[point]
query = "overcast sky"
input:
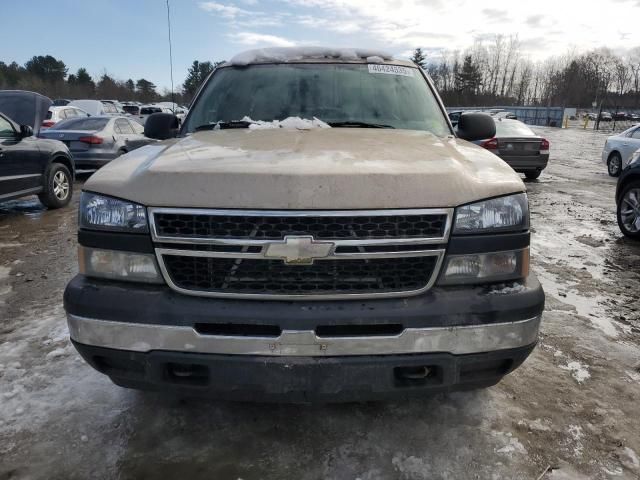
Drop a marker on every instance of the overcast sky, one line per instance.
(128, 38)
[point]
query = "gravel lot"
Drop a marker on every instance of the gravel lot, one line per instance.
(571, 410)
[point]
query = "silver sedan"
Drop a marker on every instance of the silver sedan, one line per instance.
(95, 141)
(619, 148)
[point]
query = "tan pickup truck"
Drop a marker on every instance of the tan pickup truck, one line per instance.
(315, 230)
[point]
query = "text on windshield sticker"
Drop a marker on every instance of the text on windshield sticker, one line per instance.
(390, 69)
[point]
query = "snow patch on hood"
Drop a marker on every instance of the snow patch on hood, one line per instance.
(295, 123)
(296, 54)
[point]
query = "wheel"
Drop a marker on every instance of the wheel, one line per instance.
(614, 164)
(628, 210)
(121, 152)
(533, 174)
(58, 186)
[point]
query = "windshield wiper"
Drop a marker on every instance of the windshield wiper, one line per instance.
(223, 125)
(359, 124)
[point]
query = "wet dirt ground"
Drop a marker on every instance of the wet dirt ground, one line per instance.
(571, 411)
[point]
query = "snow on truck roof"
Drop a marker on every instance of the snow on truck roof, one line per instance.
(299, 54)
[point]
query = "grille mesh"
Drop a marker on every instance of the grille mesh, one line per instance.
(277, 227)
(249, 276)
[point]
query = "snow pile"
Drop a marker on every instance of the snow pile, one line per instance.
(575, 432)
(578, 371)
(296, 54)
(511, 444)
(505, 289)
(294, 123)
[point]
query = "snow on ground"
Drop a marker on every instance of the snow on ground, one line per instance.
(578, 371)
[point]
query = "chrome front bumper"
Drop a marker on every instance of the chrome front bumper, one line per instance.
(458, 340)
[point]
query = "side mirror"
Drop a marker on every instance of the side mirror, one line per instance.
(25, 131)
(161, 126)
(476, 126)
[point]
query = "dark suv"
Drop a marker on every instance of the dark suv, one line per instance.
(31, 165)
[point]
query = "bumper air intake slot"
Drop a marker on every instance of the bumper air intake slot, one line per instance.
(373, 330)
(238, 330)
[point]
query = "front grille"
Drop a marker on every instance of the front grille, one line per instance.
(276, 227)
(268, 254)
(324, 277)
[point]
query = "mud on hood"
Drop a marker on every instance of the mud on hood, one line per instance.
(25, 108)
(337, 168)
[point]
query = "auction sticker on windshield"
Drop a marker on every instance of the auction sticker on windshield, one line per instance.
(390, 69)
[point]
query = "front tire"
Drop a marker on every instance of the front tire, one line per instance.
(614, 164)
(628, 210)
(58, 187)
(533, 175)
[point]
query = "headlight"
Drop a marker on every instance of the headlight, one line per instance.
(98, 212)
(510, 213)
(486, 267)
(117, 265)
(635, 157)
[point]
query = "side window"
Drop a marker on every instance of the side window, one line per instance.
(6, 130)
(62, 114)
(136, 127)
(123, 127)
(636, 134)
(79, 113)
(69, 112)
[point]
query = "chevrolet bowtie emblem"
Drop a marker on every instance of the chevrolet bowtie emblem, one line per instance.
(299, 250)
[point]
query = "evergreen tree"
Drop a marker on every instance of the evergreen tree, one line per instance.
(468, 78)
(146, 90)
(197, 73)
(418, 58)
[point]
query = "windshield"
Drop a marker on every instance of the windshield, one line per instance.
(88, 124)
(334, 93)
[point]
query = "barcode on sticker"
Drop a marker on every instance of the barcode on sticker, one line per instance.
(390, 69)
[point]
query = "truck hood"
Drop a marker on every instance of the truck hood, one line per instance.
(337, 168)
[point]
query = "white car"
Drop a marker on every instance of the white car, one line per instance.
(56, 114)
(619, 148)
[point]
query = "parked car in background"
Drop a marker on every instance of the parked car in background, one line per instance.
(455, 116)
(619, 148)
(524, 150)
(507, 115)
(606, 117)
(56, 114)
(146, 110)
(118, 106)
(174, 108)
(95, 107)
(628, 198)
(95, 141)
(131, 109)
(30, 165)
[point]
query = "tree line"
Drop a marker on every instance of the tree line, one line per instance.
(493, 72)
(496, 72)
(50, 76)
